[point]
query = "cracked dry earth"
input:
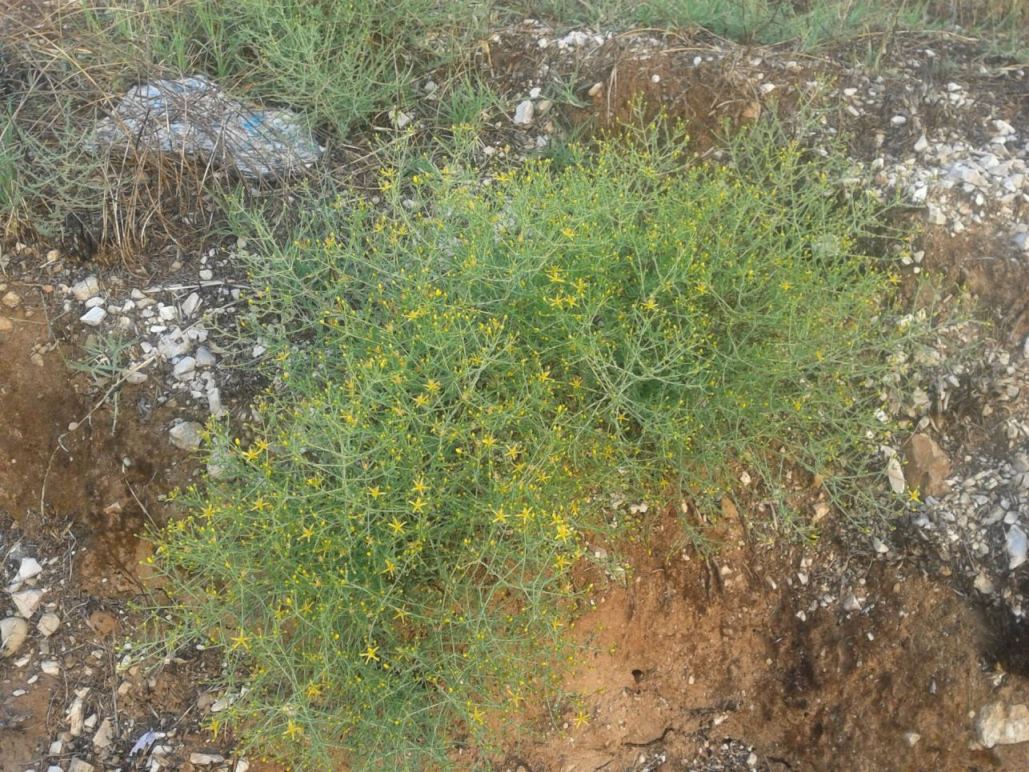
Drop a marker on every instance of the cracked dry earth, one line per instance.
(903, 650)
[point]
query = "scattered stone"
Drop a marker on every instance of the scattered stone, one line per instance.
(48, 624)
(86, 289)
(13, 632)
(74, 716)
(214, 402)
(190, 304)
(999, 724)
(1016, 546)
(895, 473)
(524, 113)
(78, 765)
(50, 667)
(206, 759)
(11, 300)
(184, 368)
(29, 569)
(928, 466)
(133, 376)
(6, 325)
(912, 738)
(174, 344)
(104, 735)
(400, 119)
(185, 435)
(206, 274)
(94, 316)
(204, 357)
(851, 602)
(27, 601)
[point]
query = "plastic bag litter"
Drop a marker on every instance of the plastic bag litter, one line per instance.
(195, 117)
(146, 742)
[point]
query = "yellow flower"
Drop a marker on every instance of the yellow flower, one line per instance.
(371, 654)
(417, 505)
(293, 730)
(375, 491)
(581, 718)
(241, 641)
(396, 525)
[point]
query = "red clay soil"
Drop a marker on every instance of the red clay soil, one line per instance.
(694, 655)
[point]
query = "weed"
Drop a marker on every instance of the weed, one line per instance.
(10, 190)
(1001, 23)
(105, 358)
(340, 64)
(337, 62)
(388, 563)
(467, 102)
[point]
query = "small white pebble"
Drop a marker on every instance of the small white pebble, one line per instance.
(94, 316)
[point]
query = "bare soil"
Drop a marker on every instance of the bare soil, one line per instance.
(696, 658)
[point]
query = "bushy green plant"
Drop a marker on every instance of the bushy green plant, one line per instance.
(338, 62)
(458, 381)
(10, 190)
